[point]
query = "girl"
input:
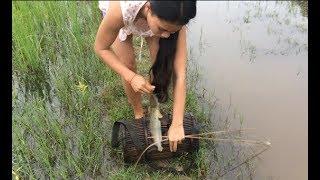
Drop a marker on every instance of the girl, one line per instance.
(163, 24)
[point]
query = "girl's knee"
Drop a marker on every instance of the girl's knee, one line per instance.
(129, 61)
(130, 64)
(124, 50)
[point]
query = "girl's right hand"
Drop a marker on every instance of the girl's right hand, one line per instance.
(140, 84)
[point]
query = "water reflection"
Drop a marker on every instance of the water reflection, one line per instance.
(253, 58)
(282, 28)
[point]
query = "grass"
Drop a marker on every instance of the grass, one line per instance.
(65, 99)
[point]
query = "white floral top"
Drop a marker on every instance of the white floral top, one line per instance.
(132, 25)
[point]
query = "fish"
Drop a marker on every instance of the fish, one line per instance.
(154, 123)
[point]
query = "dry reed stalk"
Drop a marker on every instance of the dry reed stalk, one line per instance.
(215, 132)
(198, 136)
(247, 160)
(223, 131)
(219, 139)
(141, 45)
(146, 150)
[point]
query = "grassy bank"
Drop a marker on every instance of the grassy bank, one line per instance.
(65, 99)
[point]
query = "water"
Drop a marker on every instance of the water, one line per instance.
(253, 56)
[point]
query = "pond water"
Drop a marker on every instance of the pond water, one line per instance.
(254, 58)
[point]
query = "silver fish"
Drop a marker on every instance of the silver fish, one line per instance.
(155, 124)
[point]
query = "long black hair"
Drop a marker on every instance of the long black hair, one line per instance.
(176, 12)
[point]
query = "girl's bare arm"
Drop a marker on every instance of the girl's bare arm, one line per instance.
(179, 86)
(106, 35)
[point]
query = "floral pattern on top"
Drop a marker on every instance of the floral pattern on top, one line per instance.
(132, 25)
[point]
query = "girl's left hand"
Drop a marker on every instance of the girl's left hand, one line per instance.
(175, 136)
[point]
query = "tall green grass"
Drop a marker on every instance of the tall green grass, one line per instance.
(65, 99)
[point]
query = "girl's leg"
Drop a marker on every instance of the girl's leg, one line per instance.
(124, 50)
(153, 45)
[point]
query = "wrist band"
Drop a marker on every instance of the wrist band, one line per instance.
(132, 78)
(177, 125)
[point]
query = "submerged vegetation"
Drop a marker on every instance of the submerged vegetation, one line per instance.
(282, 21)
